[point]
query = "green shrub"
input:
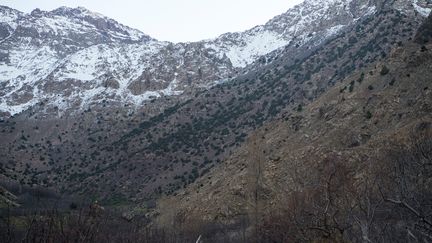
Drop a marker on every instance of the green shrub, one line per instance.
(351, 87)
(300, 108)
(384, 70)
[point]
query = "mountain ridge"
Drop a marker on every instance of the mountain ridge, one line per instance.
(152, 152)
(86, 70)
(298, 146)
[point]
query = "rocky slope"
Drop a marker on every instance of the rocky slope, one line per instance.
(312, 142)
(73, 59)
(329, 166)
(129, 156)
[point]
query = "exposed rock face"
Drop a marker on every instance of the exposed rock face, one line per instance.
(47, 48)
(111, 83)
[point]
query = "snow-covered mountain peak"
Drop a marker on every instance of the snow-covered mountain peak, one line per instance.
(73, 58)
(78, 11)
(5, 10)
(65, 21)
(324, 3)
(322, 17)
(9, 16)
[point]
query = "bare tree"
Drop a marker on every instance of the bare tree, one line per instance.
(411, 171)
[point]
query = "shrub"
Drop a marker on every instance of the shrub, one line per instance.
(73, 206)
(353, 40)
(361, 78)
(300, 108)
(384, 70)
(351, 87)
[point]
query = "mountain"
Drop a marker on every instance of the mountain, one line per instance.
(339, 164)
(300, 130)
(138, 155)
(73, 59)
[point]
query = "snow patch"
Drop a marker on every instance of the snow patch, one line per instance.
(257, 45)
(334, 30)
(252, 46)
(15, 109)
(171, 89)
(423, 11)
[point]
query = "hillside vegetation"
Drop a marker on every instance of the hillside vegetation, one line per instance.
(354, 165)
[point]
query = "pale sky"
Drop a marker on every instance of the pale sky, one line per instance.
(174, 20)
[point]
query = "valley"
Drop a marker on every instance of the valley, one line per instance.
(314, 127)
